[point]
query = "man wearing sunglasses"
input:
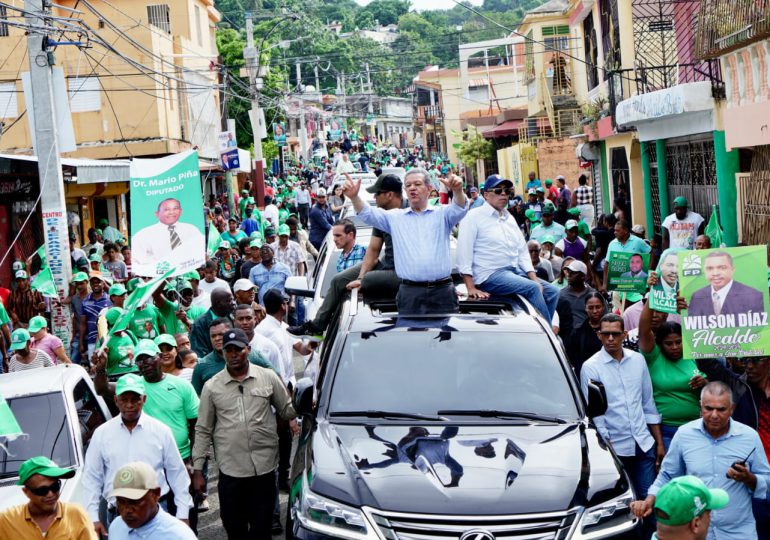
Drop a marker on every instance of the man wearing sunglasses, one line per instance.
(492, 253)
(44, 516)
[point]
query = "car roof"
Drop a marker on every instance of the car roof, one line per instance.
(41, 380)
(480, 316)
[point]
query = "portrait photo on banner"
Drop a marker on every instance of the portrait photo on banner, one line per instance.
(727, 302)
(167, 229)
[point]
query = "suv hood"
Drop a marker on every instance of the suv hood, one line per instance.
(456, 469)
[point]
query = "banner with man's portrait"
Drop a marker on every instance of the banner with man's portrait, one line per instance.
(167, 229)
(663, 293)
(727, 302)
(627, 272)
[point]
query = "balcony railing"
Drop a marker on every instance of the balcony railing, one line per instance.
(429, 114)
(727, 25)
(566, 122)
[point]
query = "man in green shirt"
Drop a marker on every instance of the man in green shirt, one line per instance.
(242, 203)
(118, 347)
(214, 362)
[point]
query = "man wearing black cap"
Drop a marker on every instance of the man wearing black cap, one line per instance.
(373, 274)
(245, 448)
(492, 254)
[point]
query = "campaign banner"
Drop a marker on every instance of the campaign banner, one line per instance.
(167, 228)
(228, 150)
(279, 133)
(628, 272)
(663, 293)
(335, 129)
(727, 302)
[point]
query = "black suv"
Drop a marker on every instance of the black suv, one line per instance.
(470, 426)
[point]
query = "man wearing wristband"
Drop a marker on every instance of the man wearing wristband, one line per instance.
(372, 274)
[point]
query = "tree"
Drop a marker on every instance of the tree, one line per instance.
(387, 11)
(474, 148)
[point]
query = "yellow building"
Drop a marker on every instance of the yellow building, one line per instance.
(143, 82)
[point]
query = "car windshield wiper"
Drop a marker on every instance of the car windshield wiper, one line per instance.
(386, 414)
(494, 413)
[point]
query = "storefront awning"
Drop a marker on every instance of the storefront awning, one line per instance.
(506, 129)
(88, 171)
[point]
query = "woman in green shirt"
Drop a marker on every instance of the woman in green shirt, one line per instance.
(676, 381)
(118, 348)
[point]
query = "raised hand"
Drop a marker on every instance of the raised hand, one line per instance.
(453, 182)
(351, 187)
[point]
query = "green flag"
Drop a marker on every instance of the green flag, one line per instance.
(41, 253)
(713, 230)
(9, 426)
(44, 283)
(140, 296)
(214, 239)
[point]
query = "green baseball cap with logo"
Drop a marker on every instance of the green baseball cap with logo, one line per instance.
(165, 339)
(284, 230)
(112, 315)
(19, 339)
(79, 277)
(681, 202)
(131, 382)
(184, 285)
(548, 239)
(531, 215)
(117, 290)
(685, 498)
(36, 324)
(42, 465)
(256, 243)
(147, 347)
(574, 211)
(95, 258)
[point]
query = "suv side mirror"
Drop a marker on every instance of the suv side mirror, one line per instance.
(597, 399)
(303, 396)
(298, 286)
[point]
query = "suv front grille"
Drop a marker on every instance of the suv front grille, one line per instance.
(403, 526)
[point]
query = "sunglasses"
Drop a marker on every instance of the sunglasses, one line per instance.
(501, 191)
(42, 491)
(608, 334)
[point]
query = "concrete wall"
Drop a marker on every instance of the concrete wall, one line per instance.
(557, 156)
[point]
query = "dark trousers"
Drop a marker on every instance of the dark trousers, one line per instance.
(641, 470)
(417, 300)
(761, 509)
(378, 283)
(304, 211)
(246, 506)
(284, 450)
(193, 517)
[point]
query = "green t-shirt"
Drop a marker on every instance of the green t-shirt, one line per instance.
(283, 215)
(233, 238)
(584, 231)
(174, 402)
(676, 401)
(168, 316)
(4, 319)
(145, 324)
(242, 207)
(120, 354)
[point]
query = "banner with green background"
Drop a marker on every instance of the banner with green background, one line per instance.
(628, 272)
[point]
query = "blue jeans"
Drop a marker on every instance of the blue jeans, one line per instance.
(668, 433)
(509, 281)
(641, 470)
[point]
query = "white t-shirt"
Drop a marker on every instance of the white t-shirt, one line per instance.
(271, 214)
(682, 233)
(207, 287)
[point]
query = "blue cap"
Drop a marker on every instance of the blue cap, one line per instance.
(495, 180)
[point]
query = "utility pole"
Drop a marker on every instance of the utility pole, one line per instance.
(317, 80)
(52, 206)
(302, 130)
(231, 189)
(252, 64)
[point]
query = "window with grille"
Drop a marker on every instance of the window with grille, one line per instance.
(591, 52)
(9, 106)
(3, 25)
(159, 16)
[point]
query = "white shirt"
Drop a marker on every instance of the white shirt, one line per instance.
(152, 245)
(303, 196)
(161, 526)
(488, 241)
(345, 166)
(721, 293)
(208, 288)
(271, 214)
(113, 446)
(683, 232)
(274, 330)
(269, 350)
(203, 299)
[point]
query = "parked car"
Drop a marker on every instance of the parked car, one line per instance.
(58, 410)
(470, 425)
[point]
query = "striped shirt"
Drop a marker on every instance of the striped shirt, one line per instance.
(41, 359)
(583, 195)
(291, 255)
(354, 256)
(24, 304)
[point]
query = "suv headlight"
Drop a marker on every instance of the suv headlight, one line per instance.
(326, 516)
(609, 518)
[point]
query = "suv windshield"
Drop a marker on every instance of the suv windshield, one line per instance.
(426, 371)
(43, 420)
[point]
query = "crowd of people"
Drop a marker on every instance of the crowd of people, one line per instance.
(228, 333)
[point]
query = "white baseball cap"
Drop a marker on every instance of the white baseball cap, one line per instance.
(243, 284)
(321, 192)
(577, 266)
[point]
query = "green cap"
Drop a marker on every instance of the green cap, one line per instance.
(147, 347)
(192, 275)
(251, 200)
(131, 382)
(548, 182)
(681, 202)
(255, 234)
(256, 243)
(165, 339)
(19, 339)
(548, 239)
(574, 211)
(95, 258)
(112, 315)
(530, 214)
(245, 191)
(132, 284)
(548, 209)
(284, 230)
(42, 465)
(103, 223)
(36, 324)
(79, 276)
(117, 290)
(183, 285)
(685, 498)
(269, 231)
